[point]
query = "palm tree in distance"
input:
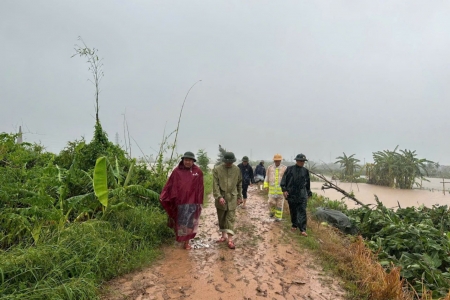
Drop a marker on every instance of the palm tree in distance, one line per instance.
(350, 165)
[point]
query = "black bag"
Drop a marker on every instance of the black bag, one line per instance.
(335, 218)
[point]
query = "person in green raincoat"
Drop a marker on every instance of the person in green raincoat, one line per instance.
(227, 192)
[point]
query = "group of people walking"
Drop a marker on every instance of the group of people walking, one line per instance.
(182, 196)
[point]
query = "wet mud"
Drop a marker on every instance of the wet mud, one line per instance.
(266, 264)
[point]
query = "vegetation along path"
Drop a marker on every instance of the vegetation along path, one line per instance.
(266, 263)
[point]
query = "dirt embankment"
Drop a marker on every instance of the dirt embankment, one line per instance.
(265, 264)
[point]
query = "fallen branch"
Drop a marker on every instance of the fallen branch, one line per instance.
(329, 185)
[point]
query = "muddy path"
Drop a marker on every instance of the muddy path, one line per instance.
(265, 264)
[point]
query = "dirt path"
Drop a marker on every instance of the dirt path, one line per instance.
(265, 264)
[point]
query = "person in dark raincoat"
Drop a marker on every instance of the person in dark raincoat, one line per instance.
(247, 178)
(260, 174)
(182, 198)
(295, 185)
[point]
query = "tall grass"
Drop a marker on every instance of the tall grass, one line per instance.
(351, 260)
(72, 263)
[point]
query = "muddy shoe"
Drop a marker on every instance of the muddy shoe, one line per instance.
(303, 233)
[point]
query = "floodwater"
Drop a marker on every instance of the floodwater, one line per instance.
(431, 193)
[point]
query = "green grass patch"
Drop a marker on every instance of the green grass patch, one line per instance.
(208, 186)
(72, 263)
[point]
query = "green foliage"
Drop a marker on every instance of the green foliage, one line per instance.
(397, 169)
(350, 165)
(101, 181)
(417, 239)
(57, 240)
(203, 161)
(71, 263)
(85, 154)
(320, 201)
(208, 186)
(220, 155)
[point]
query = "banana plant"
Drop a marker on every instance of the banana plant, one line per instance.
(350, 165)
(398, 169)
(109, 189)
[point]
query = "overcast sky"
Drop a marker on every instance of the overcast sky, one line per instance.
(317, 77)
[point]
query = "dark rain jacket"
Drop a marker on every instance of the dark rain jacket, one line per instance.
(247, 173)
(182, 198)
(260, 170)
(296, 182)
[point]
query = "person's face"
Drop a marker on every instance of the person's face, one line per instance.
(188, 162)
(228, 165)
(245, 163)
(277, 162)
(300, 163)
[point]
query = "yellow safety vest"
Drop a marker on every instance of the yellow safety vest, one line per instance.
(274, 189)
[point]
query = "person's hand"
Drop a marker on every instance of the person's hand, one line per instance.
(222, 201)
(285, 194)
(239, 201)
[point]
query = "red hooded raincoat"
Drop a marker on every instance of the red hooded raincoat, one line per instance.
(182, 198)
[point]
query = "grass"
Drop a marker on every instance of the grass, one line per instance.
(350, 259)
(73, 263)
(208, 186)
(363, 277)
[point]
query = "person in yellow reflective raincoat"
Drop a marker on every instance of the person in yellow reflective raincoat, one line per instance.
(274, 173)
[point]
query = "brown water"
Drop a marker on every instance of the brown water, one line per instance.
(390, 197)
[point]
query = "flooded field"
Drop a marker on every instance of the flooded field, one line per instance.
(430, 194)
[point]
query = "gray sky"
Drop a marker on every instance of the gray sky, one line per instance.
(318, 77)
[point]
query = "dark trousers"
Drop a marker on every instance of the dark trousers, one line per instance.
(297, 208)
(244, 190)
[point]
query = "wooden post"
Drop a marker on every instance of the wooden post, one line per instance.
(443, 184)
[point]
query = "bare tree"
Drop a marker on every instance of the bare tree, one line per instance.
(95, 66)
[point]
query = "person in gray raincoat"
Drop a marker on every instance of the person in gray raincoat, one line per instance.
(227, 192)
(295, 185)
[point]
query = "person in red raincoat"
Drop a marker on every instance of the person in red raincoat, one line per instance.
(182, 198)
